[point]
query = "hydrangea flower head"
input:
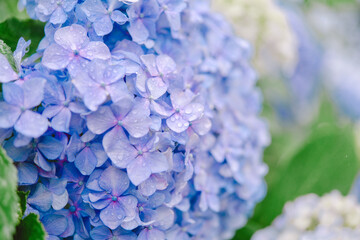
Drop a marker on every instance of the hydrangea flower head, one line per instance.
(142, 122)
(332, 216)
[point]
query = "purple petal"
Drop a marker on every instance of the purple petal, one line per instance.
(8, 115)
(61, 121)
(31, 124)
(149, 61)
(114, 180)
(137, 122)
(72, 37)
(113, 215)
(41, 199)
(50, 147)
(103, 25)
(54, 224)
(18, 154)
(118, 148)
(56, 57)
(193, 111)
(138, 31)
(129, 204)
(13, 94)
(93, 9)
(165, 64)
(118, 91)
(52, 110)
(202, 126)
(164, 218)
(152, 234)
(139, 170)
(7, 74)
(156, 87)
(122, 107)
(95, 50)
(100, 154)
(42, 162)
(27, 174)
(58, 16)
(177, 123)
(101, 233)
(86, 161)
(101, 120)
(158, 161)
(33, 92)
(180, 99)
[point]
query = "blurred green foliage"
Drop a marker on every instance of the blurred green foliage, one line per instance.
(325, 159)
(8, 9)
(30, 228)
(8, 196)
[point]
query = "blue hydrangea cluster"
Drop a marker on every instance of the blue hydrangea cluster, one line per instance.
(134, 120)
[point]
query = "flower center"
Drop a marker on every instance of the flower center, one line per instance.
(141, 209)
(150, 227)
(72, 209)
(120, 123)
(142, 15)
(76, 53)
(81, 183)
(114, 198)
(177, 110)
(140, 152)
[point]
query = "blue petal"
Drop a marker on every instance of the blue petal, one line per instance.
(13, 94)
(93, 9)
(101, 120)
(129, 204)
(18, 154)
(41, 199)
(152, 234)
(119, 17)
(86, 161)
(138, 31)
(60, 201)
(54, 224)
(101, 233)
(114, 180)
(177, 123)
(113, 215)
(137, 122)
(139, 170)
(50, 147)
(33, 92)
(57, 186)
(7, 74)
(72, 37)
(27, 173)
(8, 115)
(61, 121)
(42, 162)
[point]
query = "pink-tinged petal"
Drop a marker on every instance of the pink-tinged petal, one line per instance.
(202, 126)
(113, 215)
(72, 37)
(137, 122)
(56, 57)
(7, 74)
(8, 115)
(193, 111)
(139, 170)
(13, 94)
(95, 50)
(33, 92)
(149, 61)
(31, 124)
(61, 121)
(103, 25)
(165, 64)
(156, 87)
(101, 120)
(114, 181)
(177, 123)
(117, 147)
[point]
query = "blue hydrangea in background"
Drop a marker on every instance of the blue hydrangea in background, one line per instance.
(135, 120)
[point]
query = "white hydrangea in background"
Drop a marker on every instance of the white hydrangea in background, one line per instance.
(265, 25)
(309, 217)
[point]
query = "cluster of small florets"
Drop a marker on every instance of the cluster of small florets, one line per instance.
(134, 119)
(331, 217)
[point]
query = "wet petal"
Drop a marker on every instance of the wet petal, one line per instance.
(31, 124)
(114, 180)
(33, 92)
(137, 122)
(9, 114)
(103, 25)
(130, 206)
(149, 61)
(58, 16)
(95, 50)
(139, 170)
(86, 161)
(56, 57)
(72, 37)
(177, 123)
(61, 121)
(13, 94)
(101, 120)
(113, 215)
(7, 74)
(156, 87)
(158, 161)
(152, 234)
(119, 17)
(165, 64)
(138, 31)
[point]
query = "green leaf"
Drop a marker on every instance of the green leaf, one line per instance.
(22, 201)
(325, 160)
(30, 228)
(6, 51)
(13, 29)
(8, 9)
(8, 196)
